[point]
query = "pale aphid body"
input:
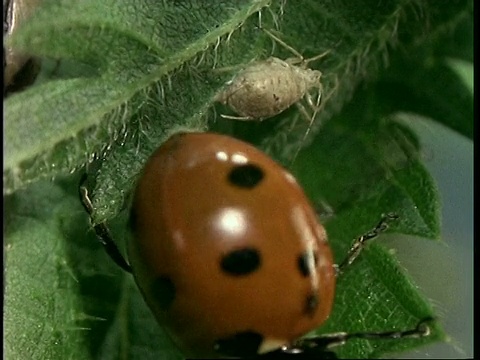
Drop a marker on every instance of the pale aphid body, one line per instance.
(267, 88)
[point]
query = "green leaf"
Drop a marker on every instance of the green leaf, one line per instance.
(42, 319)
(376, 167)
(63, 300)
(428, 83)
(126, 104)
(379, 280)
(137, 54)
(135, 333)
(447, 98)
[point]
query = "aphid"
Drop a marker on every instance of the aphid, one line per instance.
(229, 255)
(268, 87)
(20, 70)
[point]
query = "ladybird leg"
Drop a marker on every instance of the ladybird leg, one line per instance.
(359, 243)
(101, 230)
(327, 341)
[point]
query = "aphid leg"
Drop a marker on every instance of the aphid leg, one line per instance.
(310, 118)
(316, 57)
(317, 106)
(304, 112)
(327, 341)
(298, 59)
(272, 14)
(285, 45)
(360, 242)
(101, 230)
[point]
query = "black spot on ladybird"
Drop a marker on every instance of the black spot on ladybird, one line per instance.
(246, 176)
(163, 289)
(303, 263)
(311, 304)
(242, 344)
(241, 262)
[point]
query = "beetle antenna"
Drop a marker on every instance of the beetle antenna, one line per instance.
(360, 242)
(101, 229)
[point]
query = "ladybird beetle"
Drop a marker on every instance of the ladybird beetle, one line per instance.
(222, 235)
(228, 253)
